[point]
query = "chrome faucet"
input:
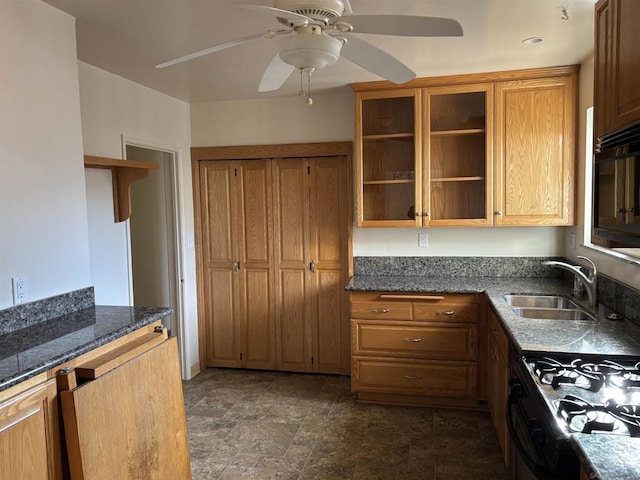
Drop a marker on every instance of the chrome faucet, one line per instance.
(589, 281)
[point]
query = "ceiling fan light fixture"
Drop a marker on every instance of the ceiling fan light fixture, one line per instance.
(311, 51)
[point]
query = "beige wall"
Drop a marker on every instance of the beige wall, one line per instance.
(43, 215)
(113, 108)
(331, 118)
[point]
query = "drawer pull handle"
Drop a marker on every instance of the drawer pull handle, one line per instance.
(391, 296)
(448, 312)
(413, 377)
(412, 340)
(381, 310)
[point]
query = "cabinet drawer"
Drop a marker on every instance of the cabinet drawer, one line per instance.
(446, 312)
(394, 310)
(442, 378)
(435, 340)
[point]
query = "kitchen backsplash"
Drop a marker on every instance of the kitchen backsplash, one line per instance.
(32, 313)
(619, 297)
(456, 266)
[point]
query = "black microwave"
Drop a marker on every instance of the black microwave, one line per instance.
(616, 192)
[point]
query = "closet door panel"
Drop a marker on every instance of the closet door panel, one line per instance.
(219, 248)
(291, 220)
(330, 207)
(255, 242)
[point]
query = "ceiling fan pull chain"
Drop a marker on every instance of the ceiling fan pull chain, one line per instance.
(309, 72)
(301, 92)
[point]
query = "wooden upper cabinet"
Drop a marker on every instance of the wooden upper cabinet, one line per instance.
(625, 70)
(603, 69)
(388, 158)
(458, 154)
(486, 149)
(535, 151)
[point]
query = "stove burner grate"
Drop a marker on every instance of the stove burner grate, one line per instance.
(591, 376)
(609, 417)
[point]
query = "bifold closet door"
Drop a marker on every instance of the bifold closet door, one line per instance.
(219, 253)
(329, 221)
(238, 257)
(312, 211)
(255, 267)
(292, 264)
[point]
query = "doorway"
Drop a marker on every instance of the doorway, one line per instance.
(154, 263)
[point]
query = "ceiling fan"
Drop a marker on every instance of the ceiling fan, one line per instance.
(317, 32)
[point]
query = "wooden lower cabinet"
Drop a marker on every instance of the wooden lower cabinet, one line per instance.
(29, 434)
(122, 416)
(128, 421)
(498, 379)
(411, 377)
(415, 349)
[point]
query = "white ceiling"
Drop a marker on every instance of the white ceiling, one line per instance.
(129, 37)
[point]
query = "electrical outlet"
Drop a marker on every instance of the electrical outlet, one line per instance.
(572, 240)
(19, 289)
(423, 240)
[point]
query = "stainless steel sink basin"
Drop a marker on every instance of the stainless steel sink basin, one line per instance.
(540, 301)
(554, 314)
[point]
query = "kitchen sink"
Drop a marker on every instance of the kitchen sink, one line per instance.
(554, 314)
(540, 301)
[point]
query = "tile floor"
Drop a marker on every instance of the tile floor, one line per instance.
(254, 425)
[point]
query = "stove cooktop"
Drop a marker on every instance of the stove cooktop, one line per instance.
(590, 394)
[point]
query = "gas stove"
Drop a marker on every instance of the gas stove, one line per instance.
(553, 397)
(591, 394)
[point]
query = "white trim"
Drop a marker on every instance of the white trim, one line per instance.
(176, 182)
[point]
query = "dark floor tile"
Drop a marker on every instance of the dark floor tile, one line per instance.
(245, 424)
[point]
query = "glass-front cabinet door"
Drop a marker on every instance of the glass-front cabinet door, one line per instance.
(458, 155)
(388, 158)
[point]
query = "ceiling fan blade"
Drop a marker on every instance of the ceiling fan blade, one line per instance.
(404, 25)
(215, 48)
(275, 74)
(375, 60)
(294, 18)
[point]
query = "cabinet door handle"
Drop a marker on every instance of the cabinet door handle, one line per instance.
(381, 310)
(236, 265)
(448, 312)
(498, 212)
(412, 340)
(413, 377)
(312, 266)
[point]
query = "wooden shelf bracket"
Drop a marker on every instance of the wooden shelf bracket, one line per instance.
(124, 173)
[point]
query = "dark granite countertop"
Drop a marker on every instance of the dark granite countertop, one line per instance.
(609, 457)
(30, 351)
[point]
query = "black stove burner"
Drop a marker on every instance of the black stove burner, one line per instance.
(588, 375)
(610, 417)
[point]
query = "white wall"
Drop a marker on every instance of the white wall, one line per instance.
(329, 119)
(43, 216)
(112, 107)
